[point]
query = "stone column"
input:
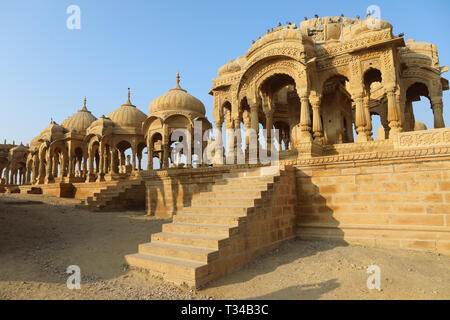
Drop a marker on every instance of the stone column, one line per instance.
(317, 121)
(369, 133)
(84, 159)
(254, 121)
(71, 166)
(438, 106)
(219, 143)
(111, 161)
(360, 118)
(149, 156)
(238, 138)
(49, 169)
(269, 125)
(133, 160)
(139, 161)
(34, 169)
(247, 126)
(101, 164)
(393, 112)
(305, 118)
(165, 142)
(55, 166)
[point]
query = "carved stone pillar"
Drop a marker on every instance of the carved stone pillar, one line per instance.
(112, 158)
(437, 106)
(238, 136)
(71, 167)
(133, 158)
(219, 143)
(49, 169)
(369, 133)
(254, 121)
(317, 121)
(102, 163)
(247, 126)
(393, 113)
(55, 166)
(149, 155)
(165, 145)
(360, 118)
(34, 169)
(269, 125)
(305, 119)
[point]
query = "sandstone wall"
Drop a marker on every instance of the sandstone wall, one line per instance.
(403, 202)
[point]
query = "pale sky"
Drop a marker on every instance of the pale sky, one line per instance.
(46, 69)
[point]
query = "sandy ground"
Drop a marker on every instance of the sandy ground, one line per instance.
(41, 236)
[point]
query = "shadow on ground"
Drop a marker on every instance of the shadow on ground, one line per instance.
(39, 241)
(306, 291)
(290, 252)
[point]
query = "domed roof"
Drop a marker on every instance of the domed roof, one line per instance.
(18, 148)
(53, 132)
(128, 115)
(100, 126)
(418, 126)
(177, 99)
(79, 121)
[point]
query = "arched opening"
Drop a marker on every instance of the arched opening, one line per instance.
(417, 101)
(78, 160)
(124, 157)
(374, 101)
(280, 111)
(228, 126)
(157, 151)
(142, 154)
(336, 111)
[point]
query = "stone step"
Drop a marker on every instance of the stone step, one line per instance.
(179, 251)
(172, 269)
(199, 229)
(232, 220)
(200, 241)
(246, 180)
(235, 194)
(234, 187)
(224, 210)
(243, 174)
(244, 202)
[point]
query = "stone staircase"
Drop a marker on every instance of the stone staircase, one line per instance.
(117, 196)
(222, 230)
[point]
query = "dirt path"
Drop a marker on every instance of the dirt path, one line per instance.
(41, 236)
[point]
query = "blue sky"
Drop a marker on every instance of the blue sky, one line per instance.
(47, 69)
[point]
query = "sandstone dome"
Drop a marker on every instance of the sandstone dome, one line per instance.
(80, 121)
(19, 148)
(128, 115)
(419, 126)
(53, 132)
(176, 100)
(100, 126)
(18, 152)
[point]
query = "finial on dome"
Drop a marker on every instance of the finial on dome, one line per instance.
(178, 80)
(128, 100)
(84, 105)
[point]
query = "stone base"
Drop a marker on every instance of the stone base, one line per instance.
(309, 149)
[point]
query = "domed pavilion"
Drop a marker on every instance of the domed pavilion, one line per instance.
(174, 110)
